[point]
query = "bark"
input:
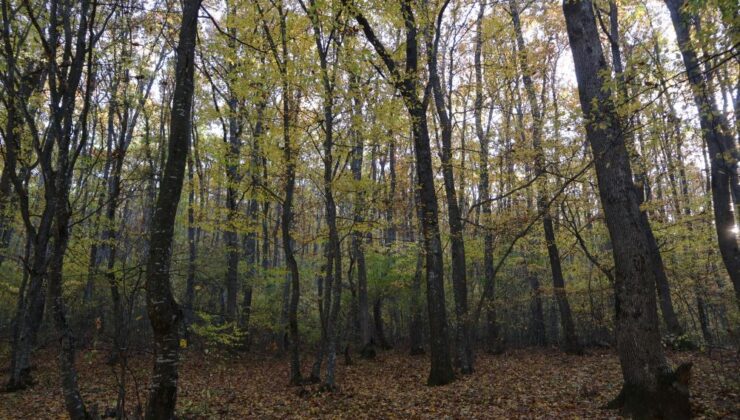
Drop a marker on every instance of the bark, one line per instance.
(233, 178)
(494, 344)
(378, 323)
(720, 142)
(537, 317)
(441, 367)
(31, 304)
(250, 245)
(662, 286)
(415, 333)
(6, 229)
(333, 273)
(650, 387)
(457, 243)
(280, 54)
(189, 301)
(62, 112)
(571, 343)
(357, 249)
(164, 312)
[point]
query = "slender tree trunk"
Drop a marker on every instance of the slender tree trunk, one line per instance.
(188, 304)
(164, 312)
(722, 146)
(415, 325)
(72, 398)
(558, 281)
(494, 344)
(457, 244)
(650, 387)
(441, 367)
(281, 59)
(357, 249)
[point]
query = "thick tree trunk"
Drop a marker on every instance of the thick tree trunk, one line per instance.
(27, 323)
(650, 387)
(30, 306)
(415, 325)
(662, 285)
(233, 178)
(72, 398)
(6, 229)
(378, 324)
(537, 334)
(723, 153)
(441, 369)
(164, 312)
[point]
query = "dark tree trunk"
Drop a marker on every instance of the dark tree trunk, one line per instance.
(415, 334)
(164, 312)
(59, 179)
(378, 323)
(441, 367)
(72, 398)
(493, 344)
(6, 189)
(650, 387)
(358, 253)
(558, 281)
(281, 60)
(415, 325)
(723, 153)
(333, 273)
(662, 285)
(30, 307)
(233, 178)
(457, 244)
(188, 304)
(537, 314)
(250, 246)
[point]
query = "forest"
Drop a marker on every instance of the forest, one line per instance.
(369, 209)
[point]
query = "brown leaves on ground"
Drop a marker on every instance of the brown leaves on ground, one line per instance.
(519, 384)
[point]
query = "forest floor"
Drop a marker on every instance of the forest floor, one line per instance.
(518, 384)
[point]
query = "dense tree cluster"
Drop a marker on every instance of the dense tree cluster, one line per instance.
(324, 177)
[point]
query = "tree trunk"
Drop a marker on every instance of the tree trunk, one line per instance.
(722, 147)
(441, 367)
(650, 387)
(662, 285)
(188, 304)
(378, 323)
(358, 253)
(164, 312)
(558, 281)
(494, 344)
(457, 244)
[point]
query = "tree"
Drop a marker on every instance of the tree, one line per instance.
(406, 82)
(558, 282)
(650, 387)
(719, 139)
(459, 280)
(164, 312)
(280, 56)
